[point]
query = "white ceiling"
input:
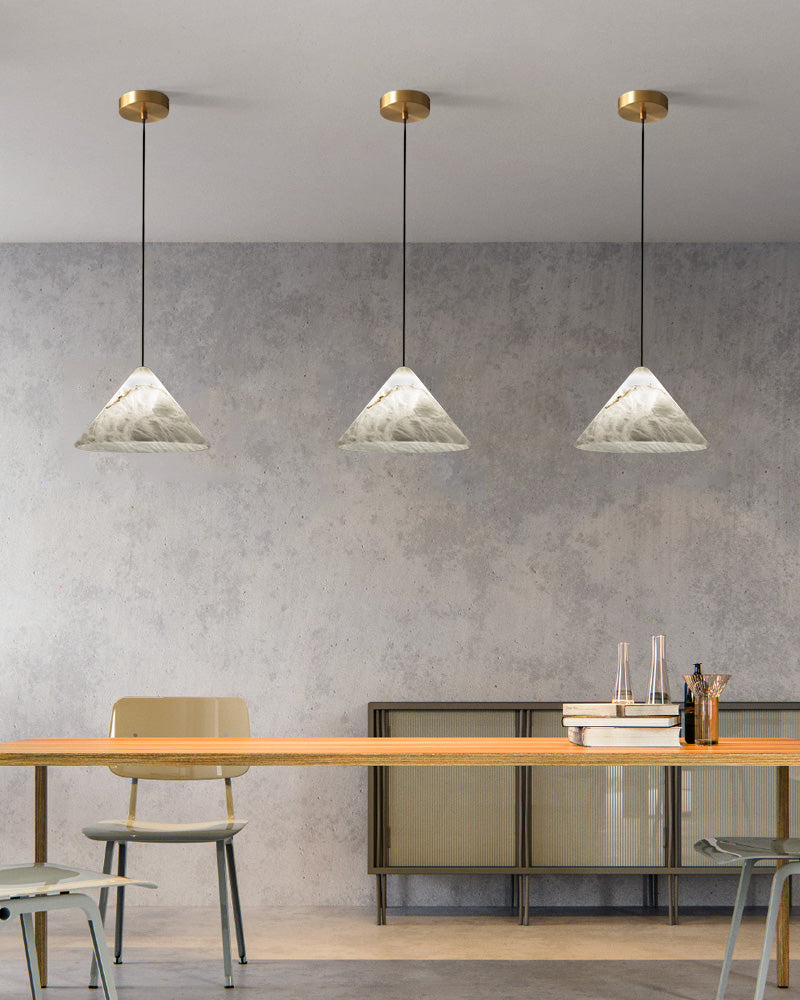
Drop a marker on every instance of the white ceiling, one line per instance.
(274, 132)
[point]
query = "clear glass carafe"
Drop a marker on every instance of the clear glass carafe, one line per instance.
(623, 693)
(706, 689)
(658, 688)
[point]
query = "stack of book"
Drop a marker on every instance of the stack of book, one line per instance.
(608, 724)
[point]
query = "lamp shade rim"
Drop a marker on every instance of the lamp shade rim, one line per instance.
(640, 447)
(409, 447)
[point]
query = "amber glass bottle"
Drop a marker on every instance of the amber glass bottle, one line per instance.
(688, 708)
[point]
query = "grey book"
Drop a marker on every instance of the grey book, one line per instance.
(634, 711)
(595, 709)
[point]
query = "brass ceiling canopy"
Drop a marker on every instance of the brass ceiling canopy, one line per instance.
(647, 105)
(144, 105)
(405, 105)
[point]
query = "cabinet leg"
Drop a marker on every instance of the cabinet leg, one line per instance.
(652, 891)
(673, 899)
(527, 905)
(380, 894)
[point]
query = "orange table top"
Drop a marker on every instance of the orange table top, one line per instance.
(395, 751)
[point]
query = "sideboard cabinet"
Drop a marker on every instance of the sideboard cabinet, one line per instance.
(526, 821)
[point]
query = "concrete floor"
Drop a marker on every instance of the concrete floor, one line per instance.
(340, 954)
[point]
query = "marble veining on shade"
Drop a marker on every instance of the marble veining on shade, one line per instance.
(641, 416)
(403, 416)
(142, 416)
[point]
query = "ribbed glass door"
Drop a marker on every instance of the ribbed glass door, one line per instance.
(451, 816)
(594, 816)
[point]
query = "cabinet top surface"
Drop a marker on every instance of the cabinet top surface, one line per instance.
(395, 751)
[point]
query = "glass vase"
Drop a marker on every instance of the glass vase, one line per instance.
(706, 689)
(658, 688)
(623, 694)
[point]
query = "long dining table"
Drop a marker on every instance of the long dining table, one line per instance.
(778, 754)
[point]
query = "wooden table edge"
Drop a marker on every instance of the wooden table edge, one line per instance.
(393, 751)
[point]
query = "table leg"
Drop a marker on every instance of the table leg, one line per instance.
(40, 854)
(782, 774)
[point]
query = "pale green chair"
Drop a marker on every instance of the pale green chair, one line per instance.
(177, 717)
(44, 887)
(749, 851)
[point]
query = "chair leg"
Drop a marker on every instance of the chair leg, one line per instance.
(778, 879)
(29, 941)
(108, 860)
(237, 909)
(102, 958)
(223, 912)
(122, 857)
(736, 919)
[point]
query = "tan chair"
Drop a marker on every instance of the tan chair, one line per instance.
(176, 717)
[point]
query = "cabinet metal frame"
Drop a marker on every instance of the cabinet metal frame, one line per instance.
(521, 873)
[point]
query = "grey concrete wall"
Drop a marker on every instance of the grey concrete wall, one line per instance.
(311, 581)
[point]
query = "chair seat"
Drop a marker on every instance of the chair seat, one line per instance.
(729, 850)
(163, 833)
(45, 877)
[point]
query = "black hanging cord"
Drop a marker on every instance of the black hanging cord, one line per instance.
(144, 132)
(641, 256)
(405, 120)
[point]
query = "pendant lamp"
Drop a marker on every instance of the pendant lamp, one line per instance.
(141, 415)
(641, 416)
(403, 416)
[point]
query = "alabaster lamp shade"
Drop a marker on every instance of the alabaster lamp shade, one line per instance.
(142, 416)
(641, 416)
(403, 416)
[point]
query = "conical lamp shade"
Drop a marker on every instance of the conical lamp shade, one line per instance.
(403, 416)
(641, 416)
(142, 416)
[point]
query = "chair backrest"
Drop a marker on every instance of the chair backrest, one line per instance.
(146, 717)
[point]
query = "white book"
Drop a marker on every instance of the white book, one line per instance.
(650, 722)
(613, 736)
(613, 709)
